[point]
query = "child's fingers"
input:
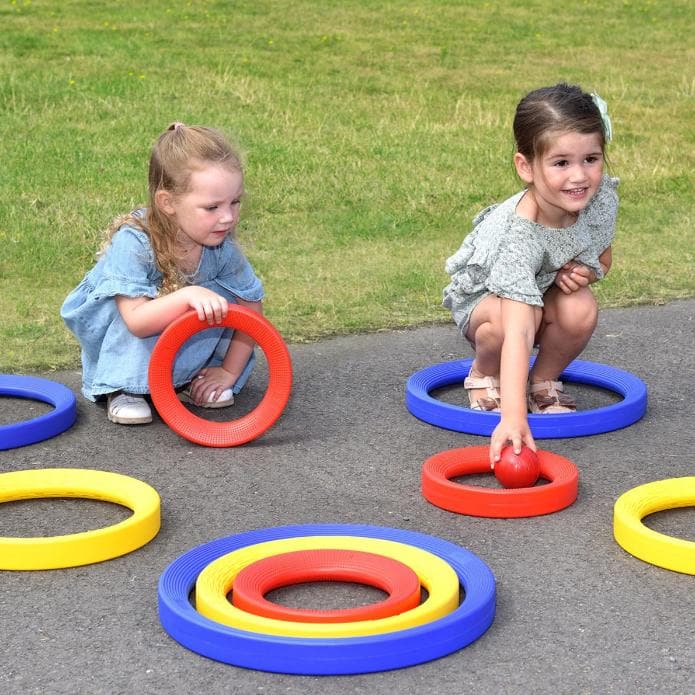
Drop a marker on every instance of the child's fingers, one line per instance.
(562, 284)
(579, 279)
(202, 390)
(219, 309)
(496, 444)
(516, 442)
(213, 312)
(569, 283)
(495, 452)
(583, 275)
(208, 314)
(204, 311)
(195, 385)
(200, 308)
(222, 312)
(571, 280)
(217, 313)
(529, 442)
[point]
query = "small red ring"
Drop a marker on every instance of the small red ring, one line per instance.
(326, 565)
(207, 432)
(474, 500)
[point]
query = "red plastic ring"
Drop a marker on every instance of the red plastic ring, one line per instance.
(473, 500)
(245, 428)
(326, 565)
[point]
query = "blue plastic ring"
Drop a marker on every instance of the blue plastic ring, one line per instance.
(45, 426)
(330, 656)
(579, 424)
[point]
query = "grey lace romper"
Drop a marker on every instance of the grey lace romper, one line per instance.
(518, 259)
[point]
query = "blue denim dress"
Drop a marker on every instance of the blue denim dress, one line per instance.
(113, 358)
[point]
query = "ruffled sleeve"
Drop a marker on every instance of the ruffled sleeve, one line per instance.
(466, 255)
(235, 274)
(501, 255)
(128, 267)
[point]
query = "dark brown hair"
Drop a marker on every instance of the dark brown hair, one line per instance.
(549, 111)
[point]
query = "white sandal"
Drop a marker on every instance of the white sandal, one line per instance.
(489, 403)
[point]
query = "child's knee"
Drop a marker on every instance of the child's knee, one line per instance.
(489, 334)
(579, 312)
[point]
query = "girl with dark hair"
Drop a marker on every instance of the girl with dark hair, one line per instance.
(521, 277)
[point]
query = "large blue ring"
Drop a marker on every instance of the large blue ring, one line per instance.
(45, 426)
(461, 419)
(331, 656)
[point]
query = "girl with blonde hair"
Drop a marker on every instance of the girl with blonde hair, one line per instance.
(157, 263)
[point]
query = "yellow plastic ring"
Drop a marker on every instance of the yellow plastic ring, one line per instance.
(436, 575)
(53, 552)
(645, 543)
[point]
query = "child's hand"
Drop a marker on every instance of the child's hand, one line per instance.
(209, 384)
(211, 307)
(573, 276)
(509, 431)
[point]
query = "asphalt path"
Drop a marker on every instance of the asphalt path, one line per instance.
(575, 612)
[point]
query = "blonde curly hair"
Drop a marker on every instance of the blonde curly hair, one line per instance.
(179, 151)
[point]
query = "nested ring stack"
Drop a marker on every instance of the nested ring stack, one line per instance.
(457, 608)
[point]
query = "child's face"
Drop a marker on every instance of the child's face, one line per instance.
(209, 210)
(566, 176)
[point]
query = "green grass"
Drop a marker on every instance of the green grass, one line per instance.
(372, 132)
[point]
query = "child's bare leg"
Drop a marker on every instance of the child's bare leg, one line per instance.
(486, 335)
(568, 323)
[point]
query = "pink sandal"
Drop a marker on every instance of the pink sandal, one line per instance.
(553, 401)
(489, 403)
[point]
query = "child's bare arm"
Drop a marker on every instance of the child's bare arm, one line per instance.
(145, 317)
(520, 322)
(212, 381)
(241, 346)
(606, 260)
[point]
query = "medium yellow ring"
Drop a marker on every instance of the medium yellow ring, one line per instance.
(436, 575)
(53, 552)
(649, 545)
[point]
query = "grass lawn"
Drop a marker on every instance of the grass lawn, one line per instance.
(372, 133)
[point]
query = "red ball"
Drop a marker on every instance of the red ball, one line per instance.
(517, 470)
